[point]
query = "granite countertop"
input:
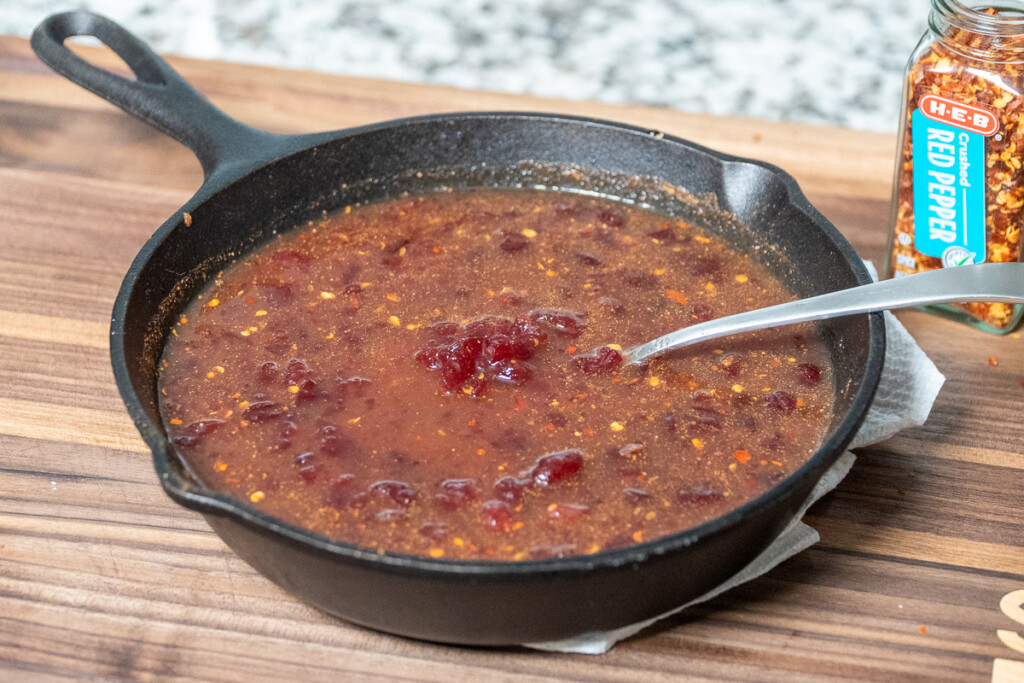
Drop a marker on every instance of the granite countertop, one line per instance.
(836, 62)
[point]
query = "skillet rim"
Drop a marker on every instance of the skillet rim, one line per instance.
(196, 496)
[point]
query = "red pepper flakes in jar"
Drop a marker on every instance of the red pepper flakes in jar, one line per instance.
(958, 196)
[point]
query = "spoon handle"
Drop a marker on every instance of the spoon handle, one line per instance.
(995, 282)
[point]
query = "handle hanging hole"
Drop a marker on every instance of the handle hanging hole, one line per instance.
(99, 55)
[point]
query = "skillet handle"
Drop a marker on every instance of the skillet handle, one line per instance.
(159, 95)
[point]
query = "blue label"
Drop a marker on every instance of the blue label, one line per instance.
(949, 192)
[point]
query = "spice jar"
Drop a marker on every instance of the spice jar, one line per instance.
(958, 197)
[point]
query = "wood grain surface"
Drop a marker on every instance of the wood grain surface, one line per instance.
(101, 575)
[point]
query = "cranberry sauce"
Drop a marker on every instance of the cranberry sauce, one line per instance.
(442, 376)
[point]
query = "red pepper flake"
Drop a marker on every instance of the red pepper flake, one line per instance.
(677, 296)
(550, 426)
(250, 300)
(924, 631)
(520, 404)
(571, 349)
(993, 361)
(742, 456)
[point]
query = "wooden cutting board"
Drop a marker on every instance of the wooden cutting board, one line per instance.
(101, 575)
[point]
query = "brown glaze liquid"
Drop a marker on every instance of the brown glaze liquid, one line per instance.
(416, 376)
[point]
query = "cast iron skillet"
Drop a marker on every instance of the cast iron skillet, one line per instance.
(257, 182)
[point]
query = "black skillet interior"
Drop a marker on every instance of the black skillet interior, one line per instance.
(258, 183)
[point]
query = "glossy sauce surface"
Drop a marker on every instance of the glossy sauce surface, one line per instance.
(433, 376)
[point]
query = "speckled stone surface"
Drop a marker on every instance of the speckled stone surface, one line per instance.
(835, 62)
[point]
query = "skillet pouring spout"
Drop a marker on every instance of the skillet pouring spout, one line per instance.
(259, 185)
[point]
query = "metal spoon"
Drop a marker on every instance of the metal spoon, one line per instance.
(994, 282)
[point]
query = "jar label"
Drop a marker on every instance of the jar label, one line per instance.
(949, 185)
(966, 116)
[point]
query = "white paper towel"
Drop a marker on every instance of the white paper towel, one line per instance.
(906, 391)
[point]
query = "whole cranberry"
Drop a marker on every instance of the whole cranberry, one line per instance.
(510, 489)
(306, 462)
(344, 493)
(262, 411)
(808, 374)
(782, 401)
(567, 512)
(496, 515)
(569, 323)
(457, 492)
(699, 495)
(557, 467)
(398, 491)
(600, 360)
